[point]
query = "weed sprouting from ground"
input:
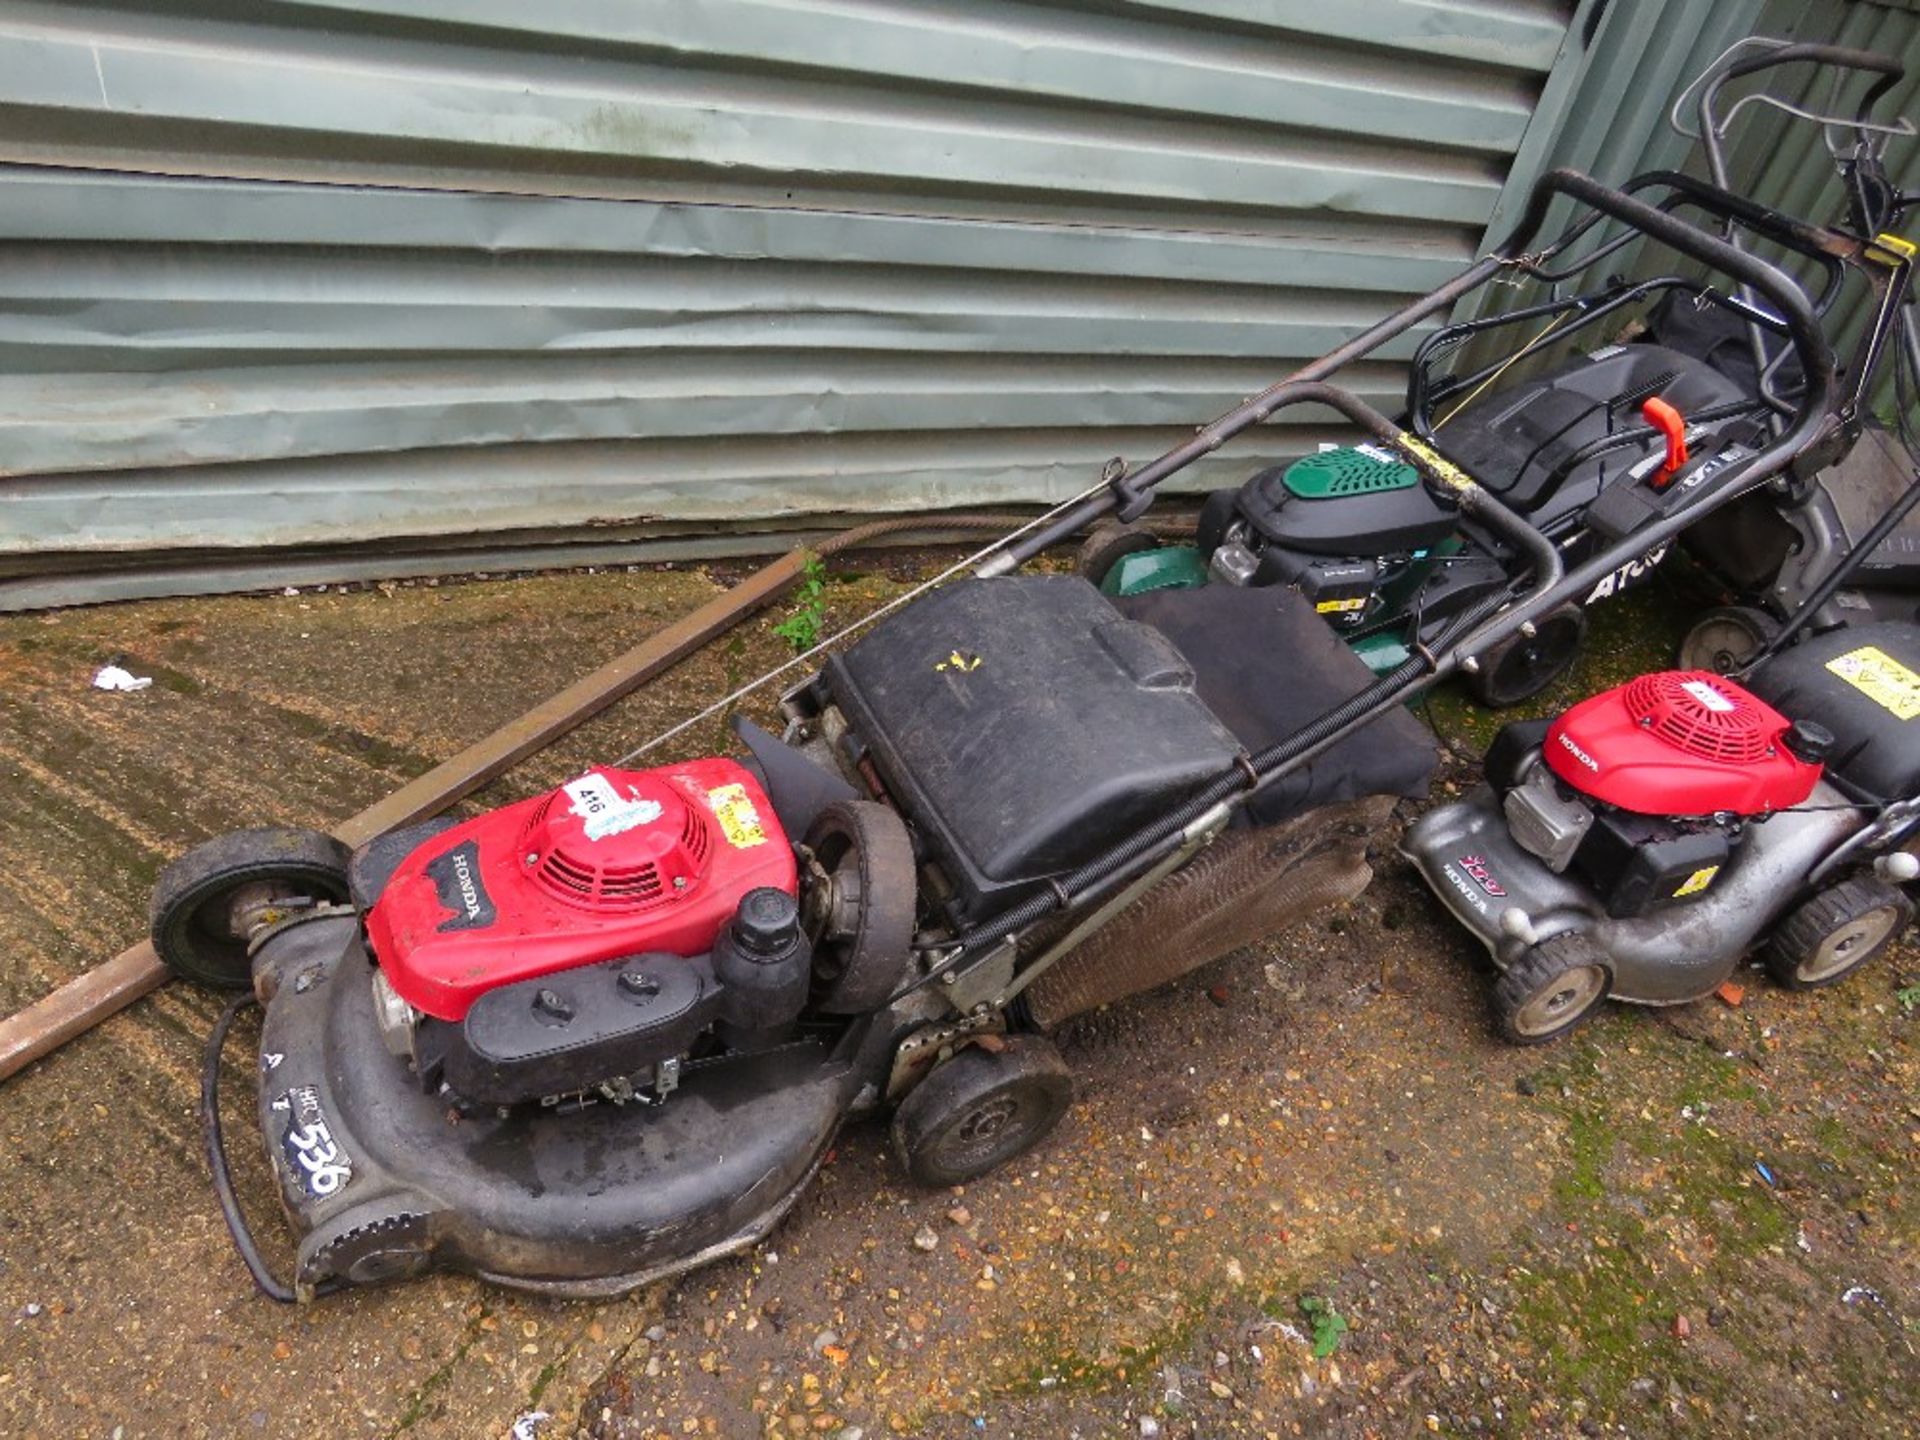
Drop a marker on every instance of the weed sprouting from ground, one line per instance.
(807, 620)
(1328, 1324)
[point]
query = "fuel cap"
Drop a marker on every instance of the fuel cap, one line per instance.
(1808, 740)
(767, 922)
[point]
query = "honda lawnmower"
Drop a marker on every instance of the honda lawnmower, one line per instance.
(1644, 842)
(610, 1032)
(1602, 440)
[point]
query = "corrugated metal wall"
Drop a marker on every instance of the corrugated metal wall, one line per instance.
(326, 273)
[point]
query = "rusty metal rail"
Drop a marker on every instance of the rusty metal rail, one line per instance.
(88, 999)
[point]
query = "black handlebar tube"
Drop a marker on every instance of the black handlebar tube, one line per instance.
(1890, 71)
(1248, 413)
(1826, 247)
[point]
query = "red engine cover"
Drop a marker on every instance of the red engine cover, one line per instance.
(614, 863)
(1680, 742)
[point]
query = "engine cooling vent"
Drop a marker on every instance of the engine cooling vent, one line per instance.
(1701, 714)
(579, 876)
(1332, 474)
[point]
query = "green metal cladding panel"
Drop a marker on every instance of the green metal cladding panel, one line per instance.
(411, 272)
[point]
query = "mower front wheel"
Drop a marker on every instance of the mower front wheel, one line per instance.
(1521, 666)
(1108, 544)
(1551, 988)
(207, 902)
(981, 1108)
(1836, 932)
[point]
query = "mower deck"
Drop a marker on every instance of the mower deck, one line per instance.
(590, 1201)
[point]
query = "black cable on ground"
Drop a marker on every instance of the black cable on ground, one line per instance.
(216, 1152)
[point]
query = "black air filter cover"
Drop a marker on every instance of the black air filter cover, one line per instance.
(1023, 725)
(1863, 683)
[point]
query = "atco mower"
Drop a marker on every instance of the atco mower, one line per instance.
(1584, 446)
(610, 1032)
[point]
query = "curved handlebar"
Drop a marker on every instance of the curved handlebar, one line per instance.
(1789, 301)
(1890, 71)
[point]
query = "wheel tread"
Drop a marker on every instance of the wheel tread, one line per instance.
(1798, 936)
(1536, 968)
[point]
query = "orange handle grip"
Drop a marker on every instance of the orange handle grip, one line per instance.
(1673, 425)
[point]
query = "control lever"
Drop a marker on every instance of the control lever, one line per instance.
(1673, 425)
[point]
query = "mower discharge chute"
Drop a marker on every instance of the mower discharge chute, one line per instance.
(609, 1033)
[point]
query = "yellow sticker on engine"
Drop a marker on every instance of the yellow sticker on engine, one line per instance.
(1697, 881)
(1881, 678)
(1330, 607)
(737, 817)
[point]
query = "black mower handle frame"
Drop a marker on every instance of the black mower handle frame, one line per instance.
(1127, 493)
(1833, 252)
(1713, 129)
(1495, 617)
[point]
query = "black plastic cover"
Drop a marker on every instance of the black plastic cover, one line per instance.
(798, 788)
(1716, 335)
(1524, 443)
(1381, 522)
(1638, 863)
(572, 1030)
(372, 865)
(1863, 683)
(1022, 725)
(1514, 744)
(1266, 664)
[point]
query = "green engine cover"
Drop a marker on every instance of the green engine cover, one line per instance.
(1355, 470)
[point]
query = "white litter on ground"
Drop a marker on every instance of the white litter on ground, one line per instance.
(112, 677)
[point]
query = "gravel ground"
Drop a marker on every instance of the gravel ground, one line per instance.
(1301, 1192)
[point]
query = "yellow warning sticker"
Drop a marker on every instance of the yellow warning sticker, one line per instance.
(1330, 607)
(1697, 881)
(1881, 678)
(736, 815)
(1432, 461)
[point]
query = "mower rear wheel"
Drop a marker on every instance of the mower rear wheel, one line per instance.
(1521, 666)
(859, 917)
(1108, 544)
(1551, 988)
(207, 902)
(980, 1108)
(1724, 639)
(1836, 932)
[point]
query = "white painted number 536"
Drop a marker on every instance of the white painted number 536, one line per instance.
(327, 1169)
